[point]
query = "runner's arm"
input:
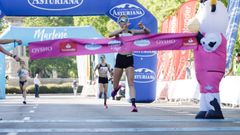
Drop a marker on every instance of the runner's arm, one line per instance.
(7, 41)
(5, 52)
(143, 29)
(116, 33)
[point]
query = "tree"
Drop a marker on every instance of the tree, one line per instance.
(65, 67)
(102, 23)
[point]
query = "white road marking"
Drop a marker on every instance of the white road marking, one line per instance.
(31, 111)
(12, 133)
(183, 112)
(121, 130)
(26, 118)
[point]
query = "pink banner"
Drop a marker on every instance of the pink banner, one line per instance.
(73, 47)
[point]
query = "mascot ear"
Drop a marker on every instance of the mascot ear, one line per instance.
(214, 5)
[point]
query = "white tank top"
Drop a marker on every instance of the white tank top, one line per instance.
(125, 35)
(103, 70)
(23, 73)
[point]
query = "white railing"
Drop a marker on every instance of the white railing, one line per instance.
(189, 89)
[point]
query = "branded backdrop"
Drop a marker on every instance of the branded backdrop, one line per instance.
(172, 64)
(111, 8)
(45, 33)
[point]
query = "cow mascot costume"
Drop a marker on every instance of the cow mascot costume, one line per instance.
(211, 23)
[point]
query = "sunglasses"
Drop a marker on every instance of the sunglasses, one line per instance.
(124, 20)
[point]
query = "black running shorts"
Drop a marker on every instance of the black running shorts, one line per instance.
(124, 61)
(103, 80)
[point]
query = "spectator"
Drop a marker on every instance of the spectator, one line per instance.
(236, 65)
(75, 87)
(37, 85)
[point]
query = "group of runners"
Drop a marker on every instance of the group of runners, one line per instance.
(124, 62)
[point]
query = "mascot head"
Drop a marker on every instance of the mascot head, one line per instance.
(211, 17)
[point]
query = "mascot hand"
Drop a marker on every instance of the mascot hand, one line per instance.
(211, 42)
(199, 37)
(193, 25)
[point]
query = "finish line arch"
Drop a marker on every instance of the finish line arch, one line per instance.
(145, 92)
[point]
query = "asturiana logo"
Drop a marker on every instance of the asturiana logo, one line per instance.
(115, 45)
(144, 75)
(93, 47)
(56, 5)
(114, 42)
(145, 53)
(142, 42)
(132, 11)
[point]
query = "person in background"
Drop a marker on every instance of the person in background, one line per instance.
(188, 69)
(125, 60)
(111, 76)
(103, 69)
(37, 83)
(23, 75)
(7, 79)
(236, 65)
(75, 87)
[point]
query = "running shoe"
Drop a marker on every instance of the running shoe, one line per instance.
(24, 102)
(105, 106)
(114, 92)
(134, 109)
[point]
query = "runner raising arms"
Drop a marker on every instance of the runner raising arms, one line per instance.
(125, 60)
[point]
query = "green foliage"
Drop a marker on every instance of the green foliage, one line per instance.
(3, 25)
(65, 67)
(161, 9)
(45, 89)
(102, 23)
(48, 21)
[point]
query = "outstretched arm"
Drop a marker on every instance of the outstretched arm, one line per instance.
(7, 41)
(9, 54)
(116, 33)
(5, 52)
(144, 29)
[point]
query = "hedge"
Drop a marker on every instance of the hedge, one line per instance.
(45, 89)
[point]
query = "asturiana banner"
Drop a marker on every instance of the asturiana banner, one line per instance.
(74, 47)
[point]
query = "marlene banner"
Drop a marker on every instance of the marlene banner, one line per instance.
(74, 47)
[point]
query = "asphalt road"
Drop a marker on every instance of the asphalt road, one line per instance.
(68, 115)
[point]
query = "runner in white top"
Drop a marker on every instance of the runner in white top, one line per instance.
(103, 70)
(125, 60)
(23, 75)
